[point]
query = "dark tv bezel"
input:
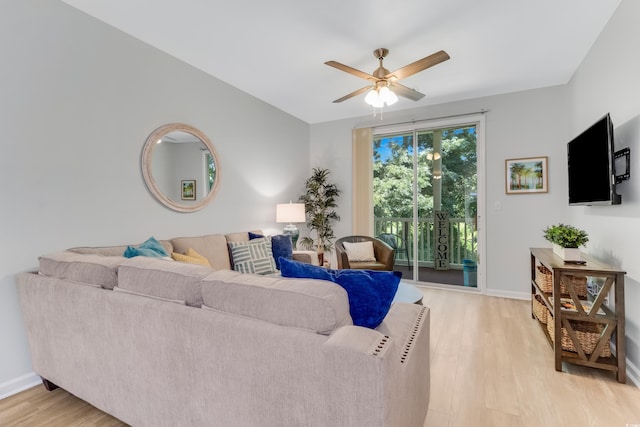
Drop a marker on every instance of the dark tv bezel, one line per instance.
(614, 198)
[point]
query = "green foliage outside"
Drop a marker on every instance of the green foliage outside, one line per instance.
(211, 170)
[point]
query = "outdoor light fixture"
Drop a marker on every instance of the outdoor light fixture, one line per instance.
(290, 213)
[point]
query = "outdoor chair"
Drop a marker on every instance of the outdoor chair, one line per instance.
(397, 245)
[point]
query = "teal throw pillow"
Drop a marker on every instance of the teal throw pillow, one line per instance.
(150, 248)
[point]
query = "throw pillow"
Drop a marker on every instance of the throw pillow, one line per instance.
(191, 257)
(370, 292)
(359, 251)
(281, 246)
(254, 256)
(151, 248)
(291, 268)
(193, 254)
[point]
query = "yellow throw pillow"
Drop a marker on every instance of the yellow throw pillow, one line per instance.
(192, 253)
(191, 257)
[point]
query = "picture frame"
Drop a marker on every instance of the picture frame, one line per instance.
(526, 175)
(188, 189)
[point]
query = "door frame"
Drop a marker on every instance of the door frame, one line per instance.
(478, 120)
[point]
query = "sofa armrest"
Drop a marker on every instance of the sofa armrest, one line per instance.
(308, 257)
(366, 341)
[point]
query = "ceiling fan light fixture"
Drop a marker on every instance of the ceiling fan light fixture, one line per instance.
(378, 91)
(378, 104)
(372, 97)
(387, 96)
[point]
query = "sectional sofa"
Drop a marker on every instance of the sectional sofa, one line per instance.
(164, 343)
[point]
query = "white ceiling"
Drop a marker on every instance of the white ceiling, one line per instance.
(275, 50)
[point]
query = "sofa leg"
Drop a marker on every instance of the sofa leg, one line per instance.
(48, 385)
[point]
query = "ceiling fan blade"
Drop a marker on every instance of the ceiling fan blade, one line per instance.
(419, 65)
(352, 94)
(350, 70)
(406, 92)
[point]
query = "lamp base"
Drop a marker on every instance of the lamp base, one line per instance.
(292, 230)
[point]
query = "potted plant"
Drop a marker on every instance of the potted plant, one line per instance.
(319, 204)
(566, 241)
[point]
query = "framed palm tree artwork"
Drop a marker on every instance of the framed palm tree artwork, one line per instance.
(526, 175)
(188, 189)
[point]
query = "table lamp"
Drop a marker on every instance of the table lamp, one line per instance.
(290, 213)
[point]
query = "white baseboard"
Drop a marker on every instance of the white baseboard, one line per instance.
(633, 374)
(508, 294)
(16, 385)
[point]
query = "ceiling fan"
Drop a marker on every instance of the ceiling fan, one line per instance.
(381, 81)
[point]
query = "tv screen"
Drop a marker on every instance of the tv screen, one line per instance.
(591, 167)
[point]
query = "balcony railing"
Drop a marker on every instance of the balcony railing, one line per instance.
(463, 239)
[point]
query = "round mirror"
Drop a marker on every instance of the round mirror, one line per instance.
(180, 167)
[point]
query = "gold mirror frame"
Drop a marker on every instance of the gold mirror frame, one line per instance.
(152, 185)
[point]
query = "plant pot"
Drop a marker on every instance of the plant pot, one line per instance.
(567, 254)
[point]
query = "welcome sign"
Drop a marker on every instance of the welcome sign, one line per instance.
(441, 240)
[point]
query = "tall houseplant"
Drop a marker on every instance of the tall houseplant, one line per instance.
(320, 203)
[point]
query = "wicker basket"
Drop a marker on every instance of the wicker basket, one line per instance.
(588, 333)
(540, 310)
(544, 279)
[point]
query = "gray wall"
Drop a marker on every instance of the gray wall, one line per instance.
(609, 81)
(77, 101)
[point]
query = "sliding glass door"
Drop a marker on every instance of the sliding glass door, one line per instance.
(425, 192)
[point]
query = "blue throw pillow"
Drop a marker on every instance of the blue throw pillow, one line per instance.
(370, 292)
(291, 268)
(150, 248)
(281, 246)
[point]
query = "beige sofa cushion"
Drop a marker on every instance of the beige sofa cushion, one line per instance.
(213, 247)
(159, 278)
(114, 250)
(84, 268)
(314, 305)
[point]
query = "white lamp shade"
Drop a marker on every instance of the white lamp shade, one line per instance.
(387, 96)
(372, 97)
(290, 212)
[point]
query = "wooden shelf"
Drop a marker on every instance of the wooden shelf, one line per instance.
(612, 321)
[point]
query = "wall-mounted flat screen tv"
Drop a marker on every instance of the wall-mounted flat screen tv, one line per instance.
(591, 166)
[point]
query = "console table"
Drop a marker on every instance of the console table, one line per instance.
(575, 314)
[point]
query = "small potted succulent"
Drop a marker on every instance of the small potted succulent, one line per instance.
(566, 241)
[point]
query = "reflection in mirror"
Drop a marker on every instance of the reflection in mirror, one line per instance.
(180, 167)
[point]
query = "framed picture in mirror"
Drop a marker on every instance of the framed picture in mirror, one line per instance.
(188, 189)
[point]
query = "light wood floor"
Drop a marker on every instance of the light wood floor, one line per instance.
(490, 366)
